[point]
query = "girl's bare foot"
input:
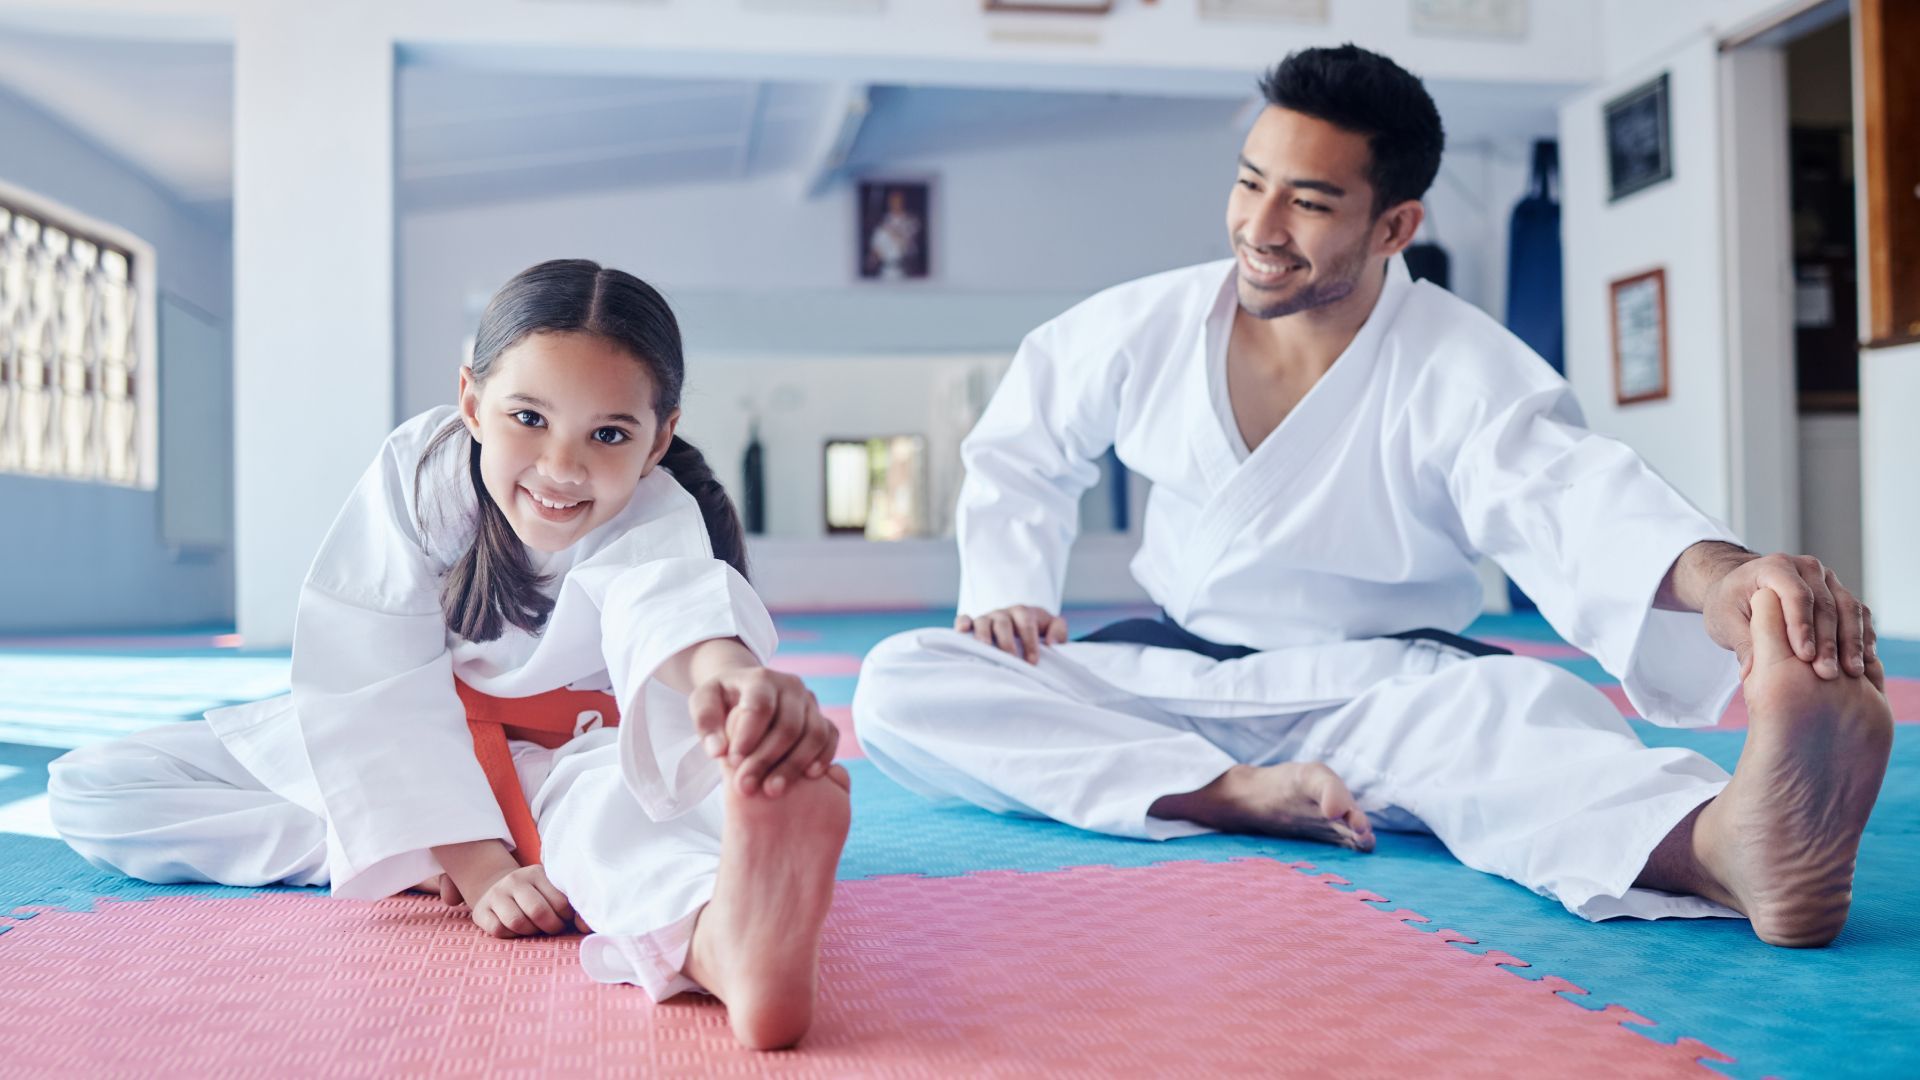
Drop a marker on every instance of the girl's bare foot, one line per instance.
(756, 945)
(1296, 798)
(1782, 837)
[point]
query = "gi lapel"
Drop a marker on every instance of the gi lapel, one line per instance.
(1211, 447)
(1295, 448)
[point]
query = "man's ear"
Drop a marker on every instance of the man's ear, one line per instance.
(662, 439)
(1396, 227)
(470, 402)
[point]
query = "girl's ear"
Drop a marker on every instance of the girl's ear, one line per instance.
(662, 439)
(470, 402)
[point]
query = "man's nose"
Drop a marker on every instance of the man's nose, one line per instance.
(1268, 229)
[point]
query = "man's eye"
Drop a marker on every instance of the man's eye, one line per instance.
(1305, 205)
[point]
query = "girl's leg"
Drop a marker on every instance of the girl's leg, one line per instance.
(170, 804)
(728, 898)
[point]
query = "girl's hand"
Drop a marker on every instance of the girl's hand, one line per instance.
(766, 725)
(522, 903)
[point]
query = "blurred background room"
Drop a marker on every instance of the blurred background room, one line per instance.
(285, 217)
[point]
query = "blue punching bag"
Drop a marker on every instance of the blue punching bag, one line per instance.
(1533, 278)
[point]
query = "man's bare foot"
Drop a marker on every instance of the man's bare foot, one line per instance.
(1782, 837)
(756, 945)
(1295, 798)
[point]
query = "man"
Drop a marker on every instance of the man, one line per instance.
(1331, 446)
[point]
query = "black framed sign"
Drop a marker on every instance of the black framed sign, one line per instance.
(1639, 139)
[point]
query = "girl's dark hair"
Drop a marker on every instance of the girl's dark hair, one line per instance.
(493, 583)
(1367, 94)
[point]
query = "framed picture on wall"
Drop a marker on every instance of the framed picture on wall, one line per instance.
(1052, 7)
(1639, 139)
(1638, 306)
(895, 229)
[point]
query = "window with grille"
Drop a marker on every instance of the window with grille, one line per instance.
(77, 397)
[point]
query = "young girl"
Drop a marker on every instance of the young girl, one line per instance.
(548, 533)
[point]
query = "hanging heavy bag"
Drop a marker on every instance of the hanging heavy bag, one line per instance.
(1533, 279)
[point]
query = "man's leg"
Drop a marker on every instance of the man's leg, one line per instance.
(1779, 843)
(1523, 770)
(947, 716)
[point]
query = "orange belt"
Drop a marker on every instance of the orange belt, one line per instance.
(550, 719)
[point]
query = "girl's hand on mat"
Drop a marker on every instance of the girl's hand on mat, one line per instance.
(1019, 630)
(522, 903)
(766, 726)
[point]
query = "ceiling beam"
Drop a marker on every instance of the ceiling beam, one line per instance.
(847, 109)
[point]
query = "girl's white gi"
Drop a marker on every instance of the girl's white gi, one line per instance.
(352, 778)
(1435, 438)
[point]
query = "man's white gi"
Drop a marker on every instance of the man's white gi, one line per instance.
(1436, 437)
(352, 778)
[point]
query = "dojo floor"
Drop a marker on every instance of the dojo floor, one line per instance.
(960, 943)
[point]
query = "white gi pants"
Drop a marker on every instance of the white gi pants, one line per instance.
(171, 804)
(1519, 767)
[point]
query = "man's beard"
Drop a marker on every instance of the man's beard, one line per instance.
(1335, 287)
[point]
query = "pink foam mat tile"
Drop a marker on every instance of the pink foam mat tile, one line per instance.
(825, 664)
(842, 717)
(1197, 969)
(1539, 650)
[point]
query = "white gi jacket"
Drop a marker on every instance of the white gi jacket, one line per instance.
(373, 737)
(1437, 436)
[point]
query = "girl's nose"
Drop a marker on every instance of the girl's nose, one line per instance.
(562, 464)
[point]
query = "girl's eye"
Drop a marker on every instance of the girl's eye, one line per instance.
(611, 436)
(530, 418)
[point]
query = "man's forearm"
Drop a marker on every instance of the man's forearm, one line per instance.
(1694, 573)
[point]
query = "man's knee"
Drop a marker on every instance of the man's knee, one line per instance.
(1503, 690)
(893, 687)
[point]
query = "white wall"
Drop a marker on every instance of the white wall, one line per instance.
(1890, 494)
(1633, 32)
(1018, 235)
(313, 271)
(91, 556)
(1675, 225)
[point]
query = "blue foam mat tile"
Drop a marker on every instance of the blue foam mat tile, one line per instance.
(43, 873)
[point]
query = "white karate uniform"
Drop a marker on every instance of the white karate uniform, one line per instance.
(1435, 438)
(352, 778)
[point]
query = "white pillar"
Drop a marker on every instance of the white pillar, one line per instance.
(1889, 494)
(313, 237)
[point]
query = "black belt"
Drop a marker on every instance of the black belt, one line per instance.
(1164, 633)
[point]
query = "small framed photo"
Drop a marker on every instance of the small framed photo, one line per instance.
(1297, 11)
(894, 229)
(1639, 315)
(1639, 139)
(1052, 7)
(1471, 18)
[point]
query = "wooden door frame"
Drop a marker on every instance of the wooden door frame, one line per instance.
(1886, 50)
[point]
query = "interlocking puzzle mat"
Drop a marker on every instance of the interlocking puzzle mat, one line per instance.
(961, 942)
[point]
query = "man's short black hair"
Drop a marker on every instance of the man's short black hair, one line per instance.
(1367, 94)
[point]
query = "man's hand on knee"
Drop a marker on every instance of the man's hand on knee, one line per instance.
(1019, 630)
(1827, 625)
